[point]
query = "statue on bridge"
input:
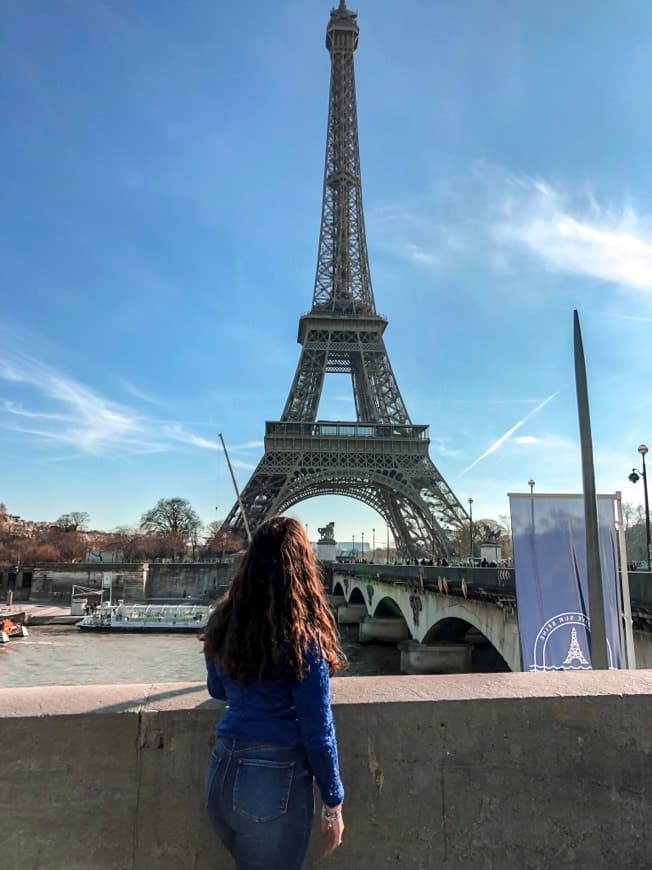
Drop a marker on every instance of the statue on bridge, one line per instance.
(327, 534)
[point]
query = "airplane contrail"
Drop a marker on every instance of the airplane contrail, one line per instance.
(509, 433)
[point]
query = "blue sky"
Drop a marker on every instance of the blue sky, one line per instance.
(162, 188)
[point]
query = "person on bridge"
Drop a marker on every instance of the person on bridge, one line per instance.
(271, 647)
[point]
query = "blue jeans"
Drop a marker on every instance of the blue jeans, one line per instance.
(260, 801)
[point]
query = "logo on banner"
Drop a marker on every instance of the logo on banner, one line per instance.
(563, 643)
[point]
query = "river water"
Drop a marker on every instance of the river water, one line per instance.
(64, 656)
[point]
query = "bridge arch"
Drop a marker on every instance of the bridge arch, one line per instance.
(379, 605)
(388, 608)
(356, 596)
(338, 589)
(486, 656)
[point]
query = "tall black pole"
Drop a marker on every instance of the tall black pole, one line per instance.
(599, 654)
(647, 505)
(471, 529)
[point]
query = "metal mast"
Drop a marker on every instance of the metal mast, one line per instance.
(382, 457)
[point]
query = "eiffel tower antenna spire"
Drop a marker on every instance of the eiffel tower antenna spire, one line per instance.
(381, 458)
(343, 281)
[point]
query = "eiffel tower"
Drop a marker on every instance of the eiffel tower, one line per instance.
(575, 651)
(381, 458)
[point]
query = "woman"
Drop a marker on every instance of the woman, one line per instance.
(271, 647)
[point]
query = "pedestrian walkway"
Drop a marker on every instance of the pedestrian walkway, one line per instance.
(39, 614)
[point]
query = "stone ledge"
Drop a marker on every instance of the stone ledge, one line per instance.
(499, 771)
(161, 697)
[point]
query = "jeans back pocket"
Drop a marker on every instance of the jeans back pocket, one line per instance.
(261, 790)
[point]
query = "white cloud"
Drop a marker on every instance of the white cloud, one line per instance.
(90, 422)
(443, 450)
(586, 239)
(249, 445)
(493, 214)
(70, 413)
(19, 411)
(526, 439)
(137, 393)
(419, 255)
(178, 433)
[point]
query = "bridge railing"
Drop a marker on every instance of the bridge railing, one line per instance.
(340, 429)
(469, 581)
(473, 580)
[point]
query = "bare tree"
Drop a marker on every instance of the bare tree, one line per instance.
(97, 543)
(211, 529)
(70, 545)
(222, 540)
(484, 531)
(172, 517)
(76, 521)
(635, 538)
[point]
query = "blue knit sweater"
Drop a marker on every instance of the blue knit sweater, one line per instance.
(285, 711)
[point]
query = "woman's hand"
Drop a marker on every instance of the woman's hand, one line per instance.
(332, 829)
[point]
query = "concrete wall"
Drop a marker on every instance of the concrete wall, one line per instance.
(643, 649)
(505, 771)
(167, 580)
(54, 582)
(130, 580)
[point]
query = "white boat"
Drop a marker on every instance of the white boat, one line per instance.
(150, 618)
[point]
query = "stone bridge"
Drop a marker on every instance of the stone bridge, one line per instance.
(452, 620)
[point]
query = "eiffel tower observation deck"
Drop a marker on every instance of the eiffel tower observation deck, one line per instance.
(380, 458)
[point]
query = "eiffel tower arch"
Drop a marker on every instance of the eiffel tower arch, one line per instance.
(381, 458)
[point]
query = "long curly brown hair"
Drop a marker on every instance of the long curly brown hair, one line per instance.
(275, 609)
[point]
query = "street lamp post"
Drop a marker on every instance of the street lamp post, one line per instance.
(387, 528)
(471, 528)
(373, 546)
(362, 549)
(432, 528)
(634, 477)
(353, 537)
(530, 483)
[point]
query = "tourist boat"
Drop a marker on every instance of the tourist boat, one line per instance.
(148, 618)
(10, 630)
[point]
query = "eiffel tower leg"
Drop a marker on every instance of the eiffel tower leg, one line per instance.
(386, 396)
(303, 401)
(259, 498)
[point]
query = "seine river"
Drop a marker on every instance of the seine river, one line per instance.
(65, 656)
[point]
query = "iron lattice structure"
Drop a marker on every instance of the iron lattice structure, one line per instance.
(382, 458)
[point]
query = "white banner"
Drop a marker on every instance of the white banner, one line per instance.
(551, 581)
